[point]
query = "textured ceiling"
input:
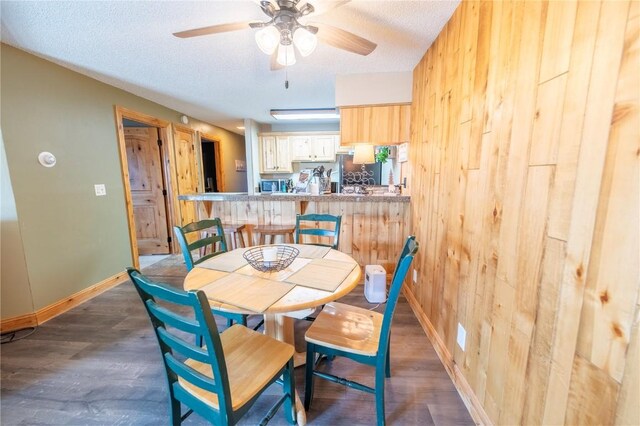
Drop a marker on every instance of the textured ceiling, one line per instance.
(220, 78)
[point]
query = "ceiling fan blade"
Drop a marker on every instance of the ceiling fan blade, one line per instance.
(275, 66)
(327, 5)
(343, 39)
(213, 29)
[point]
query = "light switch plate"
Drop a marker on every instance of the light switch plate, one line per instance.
(101, 189)
(462, 336)
(415, 276)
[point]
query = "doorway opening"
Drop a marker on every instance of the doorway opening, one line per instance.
(212, 172)
(144, 152)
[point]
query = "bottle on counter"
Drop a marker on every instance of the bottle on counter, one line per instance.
(314, 186)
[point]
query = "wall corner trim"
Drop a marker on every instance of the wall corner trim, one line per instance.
(469, 398)
(51, 311)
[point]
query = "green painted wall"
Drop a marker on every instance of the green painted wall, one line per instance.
(15, 293)
(72, 239)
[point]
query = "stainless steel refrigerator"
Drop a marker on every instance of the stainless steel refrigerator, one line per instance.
(353, 174)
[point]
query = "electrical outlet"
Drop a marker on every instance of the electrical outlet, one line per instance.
(415, 276)
(100, 189)
(462, 336)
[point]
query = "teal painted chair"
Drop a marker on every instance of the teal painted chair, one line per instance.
(332, 234)
(221, 380)
(358, 334)
(214, 241)
(212, 244)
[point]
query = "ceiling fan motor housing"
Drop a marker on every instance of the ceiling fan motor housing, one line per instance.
(285, 19)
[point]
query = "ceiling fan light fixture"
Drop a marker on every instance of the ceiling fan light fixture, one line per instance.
(305, 41)
(286, 55)
(268, 39)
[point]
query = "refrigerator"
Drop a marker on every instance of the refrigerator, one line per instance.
(352, 174)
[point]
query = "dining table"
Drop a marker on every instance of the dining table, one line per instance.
(318, 275)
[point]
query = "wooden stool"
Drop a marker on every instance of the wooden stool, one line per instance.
(235, 233)
(273, 230)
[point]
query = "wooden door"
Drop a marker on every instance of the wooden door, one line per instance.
(147, 190)
(186, 170)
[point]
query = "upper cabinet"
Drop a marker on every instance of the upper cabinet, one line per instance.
(376, 125)
(275, 154)
(313, 148)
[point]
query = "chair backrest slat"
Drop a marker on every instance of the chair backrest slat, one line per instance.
(319, 232)
(190, 375)
(174, 320)
(176, 296)
(183, 347)
(197, 228)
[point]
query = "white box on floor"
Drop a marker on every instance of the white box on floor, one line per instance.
(375, 283)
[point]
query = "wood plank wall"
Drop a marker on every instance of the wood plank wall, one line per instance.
(525, 196)
(387, 221)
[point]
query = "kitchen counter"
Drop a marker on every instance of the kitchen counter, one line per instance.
(373, 229)
(278, 196)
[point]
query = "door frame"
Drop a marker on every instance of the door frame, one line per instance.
(165, 135)
(217, 149)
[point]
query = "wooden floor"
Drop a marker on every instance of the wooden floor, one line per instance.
(99, 364)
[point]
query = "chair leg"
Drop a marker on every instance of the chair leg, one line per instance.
(243, 320)
(380, 397)
(308, 385)
(289, 390)
(176, 418)
(387, 368)
(260, 324)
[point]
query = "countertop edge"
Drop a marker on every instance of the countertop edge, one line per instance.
(221, 196)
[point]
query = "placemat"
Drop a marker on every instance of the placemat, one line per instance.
(322, 274)
(312, 252)
(227, 262)
(244, 291)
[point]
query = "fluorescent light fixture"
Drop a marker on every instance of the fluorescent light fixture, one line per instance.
(240, 127)
(305, 114)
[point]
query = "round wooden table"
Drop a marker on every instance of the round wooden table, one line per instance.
(279, 316)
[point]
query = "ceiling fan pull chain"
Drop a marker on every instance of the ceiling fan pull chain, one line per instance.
(286, 78)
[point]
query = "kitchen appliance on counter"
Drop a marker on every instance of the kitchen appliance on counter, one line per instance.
(352, 174)
(275, 185)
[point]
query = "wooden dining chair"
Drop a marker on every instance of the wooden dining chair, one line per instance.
(221, 380)
(358, 334)
(207, 234)
(332, 234)
(204, 235)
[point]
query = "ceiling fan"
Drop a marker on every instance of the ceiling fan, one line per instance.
(282, 35)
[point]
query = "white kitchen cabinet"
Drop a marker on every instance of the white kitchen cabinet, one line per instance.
(275, 154)
(321, 148)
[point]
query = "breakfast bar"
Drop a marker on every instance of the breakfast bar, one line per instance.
(373, 227)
